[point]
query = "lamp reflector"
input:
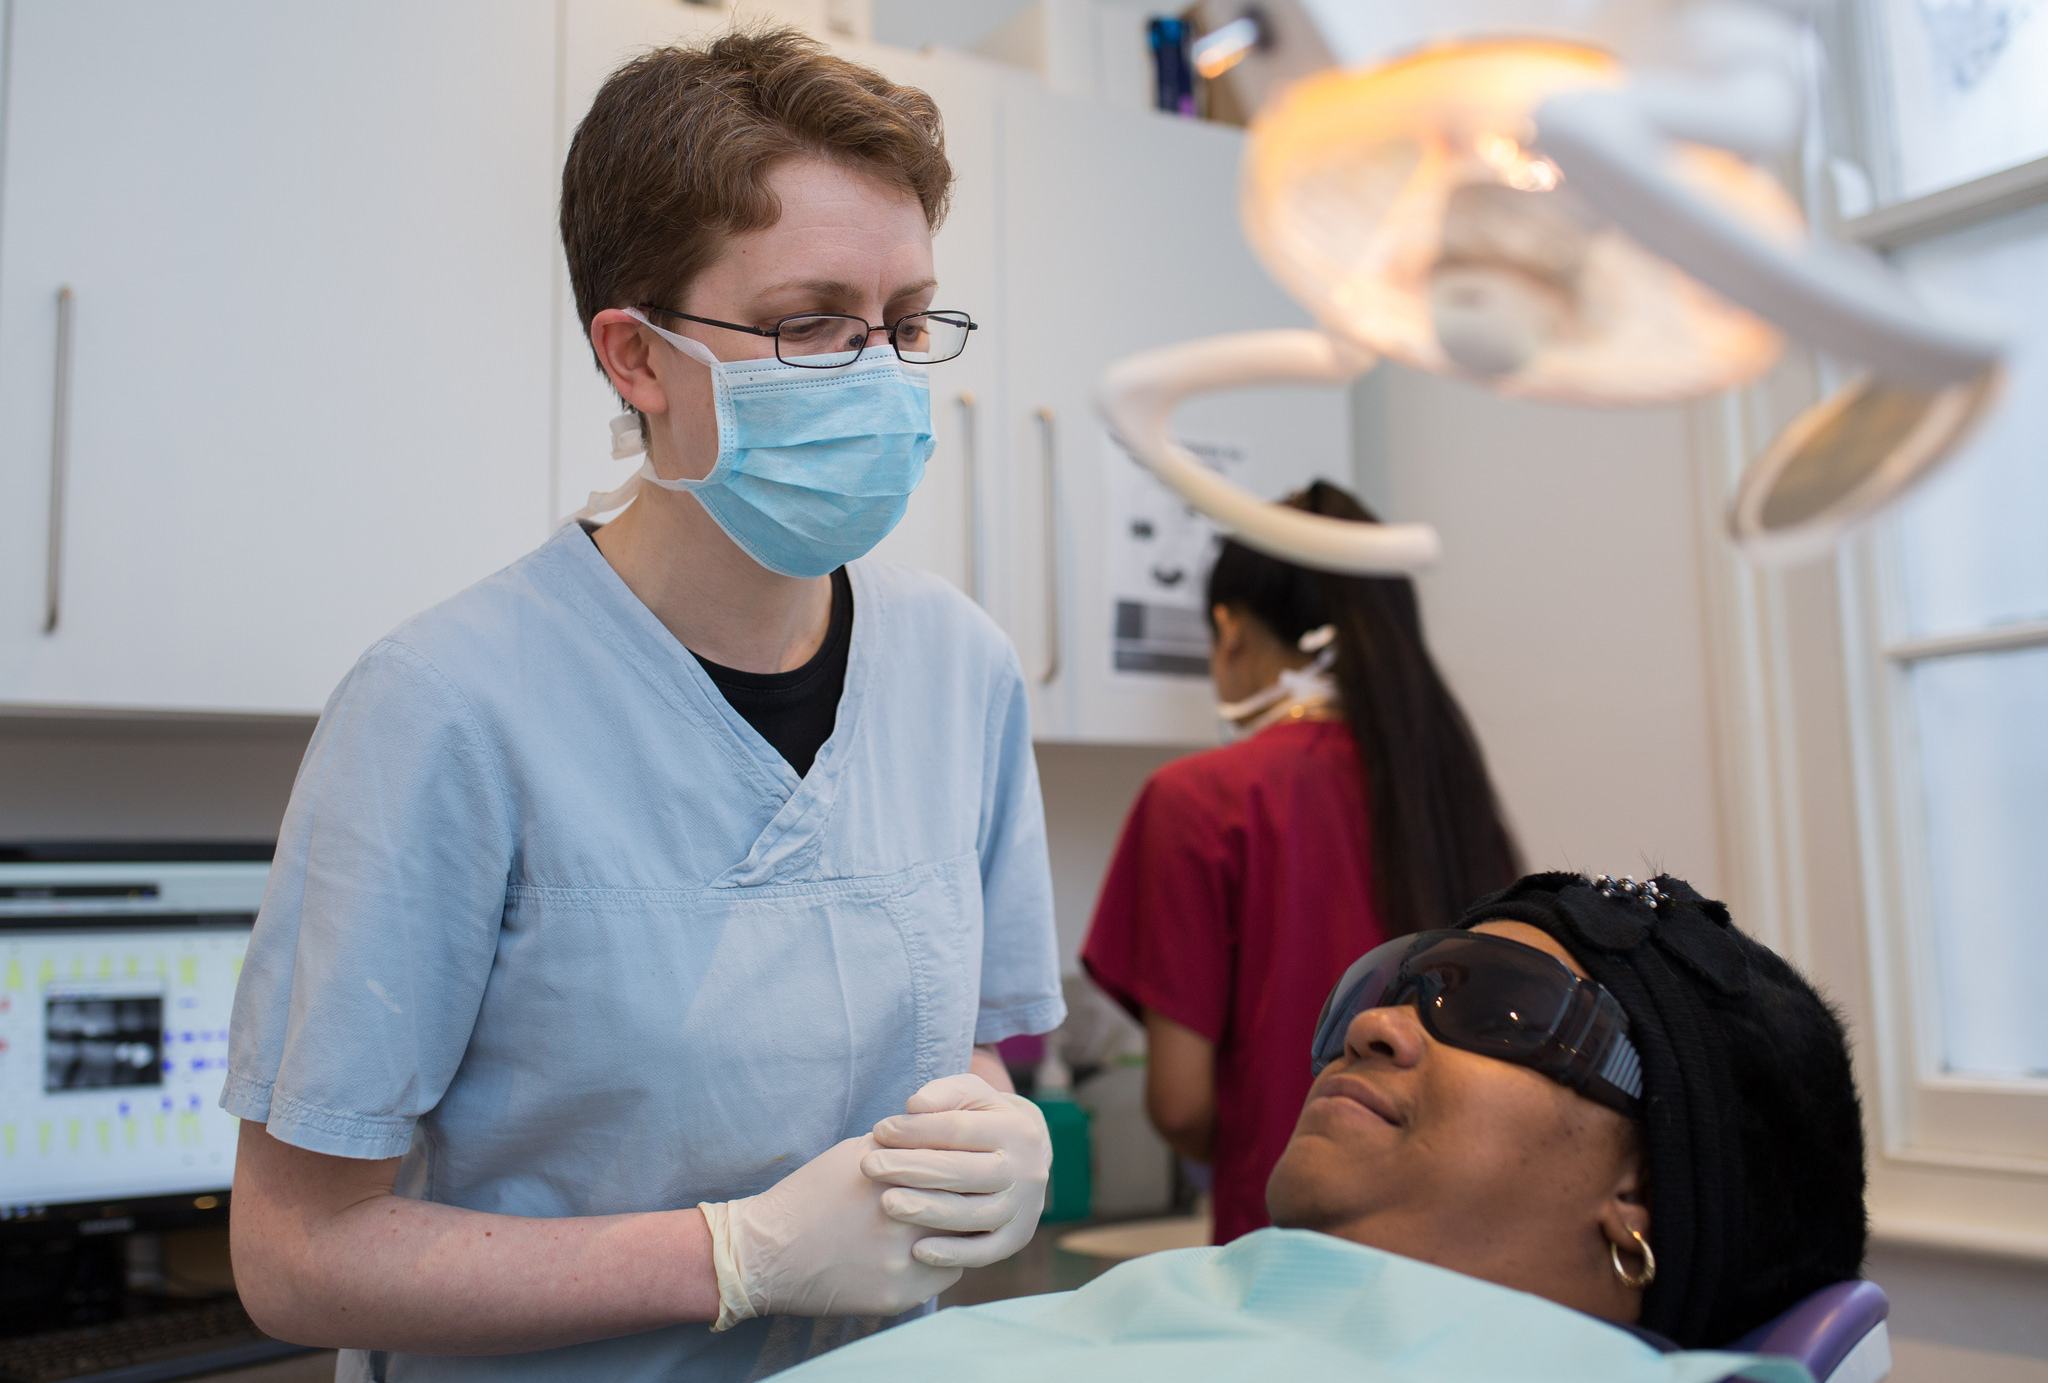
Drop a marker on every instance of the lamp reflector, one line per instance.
(1847, 456)
(1405, 206)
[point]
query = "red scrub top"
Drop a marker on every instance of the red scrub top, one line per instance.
(1240, 891)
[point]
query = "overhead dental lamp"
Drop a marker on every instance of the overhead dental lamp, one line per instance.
(1561, 200)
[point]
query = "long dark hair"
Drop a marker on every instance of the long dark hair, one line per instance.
(1438, 840)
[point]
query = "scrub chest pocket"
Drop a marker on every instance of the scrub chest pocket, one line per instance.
(742, 1031)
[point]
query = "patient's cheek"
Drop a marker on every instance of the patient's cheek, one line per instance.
(1542, 1140)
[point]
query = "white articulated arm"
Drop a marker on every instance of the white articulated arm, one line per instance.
(1611, 149)
(1137, 397)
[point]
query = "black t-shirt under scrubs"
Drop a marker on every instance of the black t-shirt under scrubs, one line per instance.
(794, 710)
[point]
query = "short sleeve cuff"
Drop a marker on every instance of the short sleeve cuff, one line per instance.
(1020, 1020)
(1140, 995)
(369, 1136)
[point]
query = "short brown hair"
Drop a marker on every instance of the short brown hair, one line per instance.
(674, 155)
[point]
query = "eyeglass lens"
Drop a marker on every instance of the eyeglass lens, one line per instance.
(925, 338)
(824, 342)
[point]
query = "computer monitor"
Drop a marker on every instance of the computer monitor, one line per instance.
(117, 975)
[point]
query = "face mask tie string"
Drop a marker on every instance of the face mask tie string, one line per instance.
(1303, 689)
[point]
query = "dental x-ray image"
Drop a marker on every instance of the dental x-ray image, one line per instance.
(99, 1041)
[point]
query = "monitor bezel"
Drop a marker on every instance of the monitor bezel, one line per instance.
(137, 851)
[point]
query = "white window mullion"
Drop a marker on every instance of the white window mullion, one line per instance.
(1990, 638)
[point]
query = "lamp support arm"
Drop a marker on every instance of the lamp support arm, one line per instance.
(1137, 396)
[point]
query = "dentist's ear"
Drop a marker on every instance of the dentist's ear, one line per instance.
(624, 347)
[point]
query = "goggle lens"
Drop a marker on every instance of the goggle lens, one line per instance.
(1484, 1000)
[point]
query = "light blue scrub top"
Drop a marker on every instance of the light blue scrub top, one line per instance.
(1277, 1304)
(549, 919)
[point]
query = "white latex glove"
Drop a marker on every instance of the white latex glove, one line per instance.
(966, 1159)
(818, 1244)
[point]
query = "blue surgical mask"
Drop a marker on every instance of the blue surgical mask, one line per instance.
(814, 466)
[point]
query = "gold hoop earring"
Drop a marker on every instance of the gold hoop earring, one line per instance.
(1635, 1282)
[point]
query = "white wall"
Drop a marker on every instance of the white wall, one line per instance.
(104, 779)
(1566, 613)
(1965, 1317)
(941, 23)
(1088, 791)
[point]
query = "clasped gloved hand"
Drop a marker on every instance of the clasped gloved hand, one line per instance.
(817, 1243)
(967, 1160)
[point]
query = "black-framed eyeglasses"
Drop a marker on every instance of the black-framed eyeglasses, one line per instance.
(827, 340)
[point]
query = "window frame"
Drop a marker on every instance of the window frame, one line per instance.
(1822, 807)
(1954, 1119)
(1961, 1120)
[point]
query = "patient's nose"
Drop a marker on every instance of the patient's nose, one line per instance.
(1389, 1034)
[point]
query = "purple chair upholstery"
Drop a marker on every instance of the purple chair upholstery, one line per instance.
(1822, 1331)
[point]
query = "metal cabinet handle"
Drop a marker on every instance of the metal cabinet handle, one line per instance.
(1049, 454)
(60, 456)
(970, 460)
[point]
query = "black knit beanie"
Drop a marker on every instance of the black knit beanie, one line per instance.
(1752, 1137)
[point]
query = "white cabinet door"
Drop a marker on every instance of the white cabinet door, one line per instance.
(1121, 233)
(307, 249)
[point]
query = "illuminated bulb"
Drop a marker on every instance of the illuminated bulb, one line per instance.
(1505, 283)
(1517, 167)
(1216, 52)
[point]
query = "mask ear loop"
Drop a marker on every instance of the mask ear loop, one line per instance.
(629, 433)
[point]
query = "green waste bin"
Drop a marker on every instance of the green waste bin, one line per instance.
(1072, 1188)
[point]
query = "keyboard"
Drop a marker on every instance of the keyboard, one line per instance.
(143, 1349)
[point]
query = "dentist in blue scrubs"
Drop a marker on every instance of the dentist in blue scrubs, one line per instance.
(618, 1007)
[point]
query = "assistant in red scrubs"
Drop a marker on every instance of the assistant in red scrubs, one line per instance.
(1353, 806)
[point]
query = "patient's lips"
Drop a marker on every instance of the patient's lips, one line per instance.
(1357, 1091)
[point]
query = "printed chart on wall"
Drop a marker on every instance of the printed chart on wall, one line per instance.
(1160, 551)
